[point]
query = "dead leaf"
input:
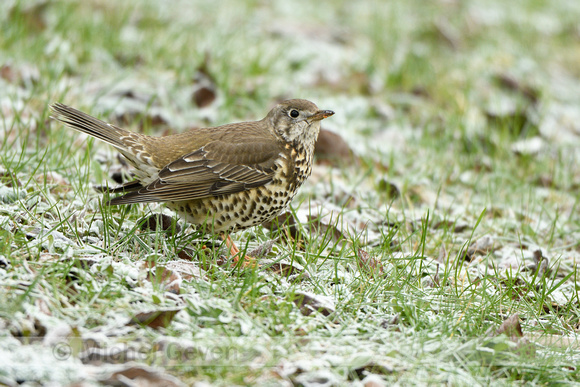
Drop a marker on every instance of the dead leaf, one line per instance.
(203, 256)
(310, 303)
(262, 250)
(33, 15)
(284, 268)
(368, 264)
(512, 328)
(7, 73)
(481, 246)
(57, 182)
(540, 264)
(285, 221)
(156, 319)
(9, 179)
(447, 224)
(508, 81)
(161, 275)
(43, 306)
(546, 181)
(185, 269)
(332, 149)
(141, 119)
(137, 375)
(375, 368)
(187, 254)
(203, 96)
(160, 222)
(204, 89)
(324, 228)
(389, 188)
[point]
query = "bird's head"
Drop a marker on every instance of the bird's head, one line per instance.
(296, 120)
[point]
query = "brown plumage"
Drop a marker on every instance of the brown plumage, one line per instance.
(225, 178)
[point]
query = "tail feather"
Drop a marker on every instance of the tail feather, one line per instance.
(127, 187)
(92, 126)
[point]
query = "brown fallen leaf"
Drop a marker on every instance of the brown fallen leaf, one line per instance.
(138, 375)
(481, 246)
(155, 319)
(203, 96)
(57, 182)
(373, 380)
(8, 73)
(203, 256)
(389, 188)
(323, 227)
(512, 328)
(510, 82)
(310, 303)
(540, 264)
(161, 275)
(373, 367)
(139, 118)
(27, 326)
(185, 269)
(262, 250)
(9, 179)
(546, 181)
(332, 149)
(204, 88)
(284, 268)
(32, 16)
(187, 254)
(368, 264)
(448, 224)
(160, 222)
(286, 222)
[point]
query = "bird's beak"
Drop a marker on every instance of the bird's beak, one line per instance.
(320, 115)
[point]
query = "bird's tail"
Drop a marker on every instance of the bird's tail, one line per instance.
(92, 126)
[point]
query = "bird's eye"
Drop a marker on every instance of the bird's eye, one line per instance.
(294, 113)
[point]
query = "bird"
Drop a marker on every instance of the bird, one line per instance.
(220, 179)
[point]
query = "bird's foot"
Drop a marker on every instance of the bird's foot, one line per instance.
(249, 261)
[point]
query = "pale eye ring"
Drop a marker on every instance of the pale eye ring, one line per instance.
(294, 113)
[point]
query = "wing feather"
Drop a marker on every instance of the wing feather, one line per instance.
(218, 168)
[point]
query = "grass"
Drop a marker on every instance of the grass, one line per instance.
(445, 105)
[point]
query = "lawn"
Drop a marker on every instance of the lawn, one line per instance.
(436, 241)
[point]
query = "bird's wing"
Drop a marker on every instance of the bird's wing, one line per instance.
(217, 168)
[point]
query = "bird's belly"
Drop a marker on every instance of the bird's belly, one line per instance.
(237, 211)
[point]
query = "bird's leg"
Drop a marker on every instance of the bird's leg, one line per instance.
(235, 252)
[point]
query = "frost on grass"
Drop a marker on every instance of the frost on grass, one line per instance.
(452, 206)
